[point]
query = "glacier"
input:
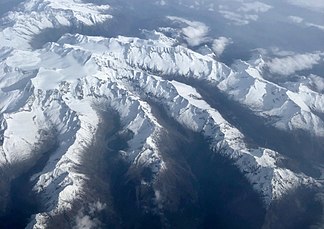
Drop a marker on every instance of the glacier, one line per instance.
(54, 99)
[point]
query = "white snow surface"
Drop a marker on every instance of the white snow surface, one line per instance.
(35, 16)
(50, 95)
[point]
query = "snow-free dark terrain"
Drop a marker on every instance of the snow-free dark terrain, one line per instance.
(161, 114)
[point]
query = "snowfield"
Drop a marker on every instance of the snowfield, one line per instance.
(52, 98)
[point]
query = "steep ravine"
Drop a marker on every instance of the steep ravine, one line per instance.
(302, 150)
(22, 201)
(204, 188)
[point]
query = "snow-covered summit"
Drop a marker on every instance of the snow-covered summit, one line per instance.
(34, 17)
(54, 101)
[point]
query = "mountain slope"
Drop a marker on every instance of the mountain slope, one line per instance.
(63, 102)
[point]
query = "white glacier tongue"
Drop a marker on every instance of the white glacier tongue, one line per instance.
(53, 101)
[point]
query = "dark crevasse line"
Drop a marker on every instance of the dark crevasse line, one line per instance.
(207, 189)
(303, 151)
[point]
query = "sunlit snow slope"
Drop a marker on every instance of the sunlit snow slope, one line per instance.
(57, 103)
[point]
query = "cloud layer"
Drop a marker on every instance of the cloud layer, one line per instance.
(86, 217)
(247, 12)
(301, 21)
(317, 82)
(257, 7)
(220, 44)
(291, 64)
(315, 5)
(195, 32)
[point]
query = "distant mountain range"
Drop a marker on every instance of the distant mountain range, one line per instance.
(90, 123)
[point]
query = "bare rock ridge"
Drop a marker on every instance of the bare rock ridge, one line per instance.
(58, 102)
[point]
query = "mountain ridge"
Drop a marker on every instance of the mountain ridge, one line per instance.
(50, 99)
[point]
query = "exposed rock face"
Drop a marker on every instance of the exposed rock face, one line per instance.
(58, 102)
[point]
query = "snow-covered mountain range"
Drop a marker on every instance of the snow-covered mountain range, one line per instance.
(55, 99)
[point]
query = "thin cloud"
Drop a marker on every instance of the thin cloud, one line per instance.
(320, 27)
(247, 12)
(315, 5)
(257, 7)
(236, 18)
(302, 22)
(291, 64)
(296, 19)
(220, 44)
(161, 2)
(317, 83)
(88, 220)
(195, 32)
